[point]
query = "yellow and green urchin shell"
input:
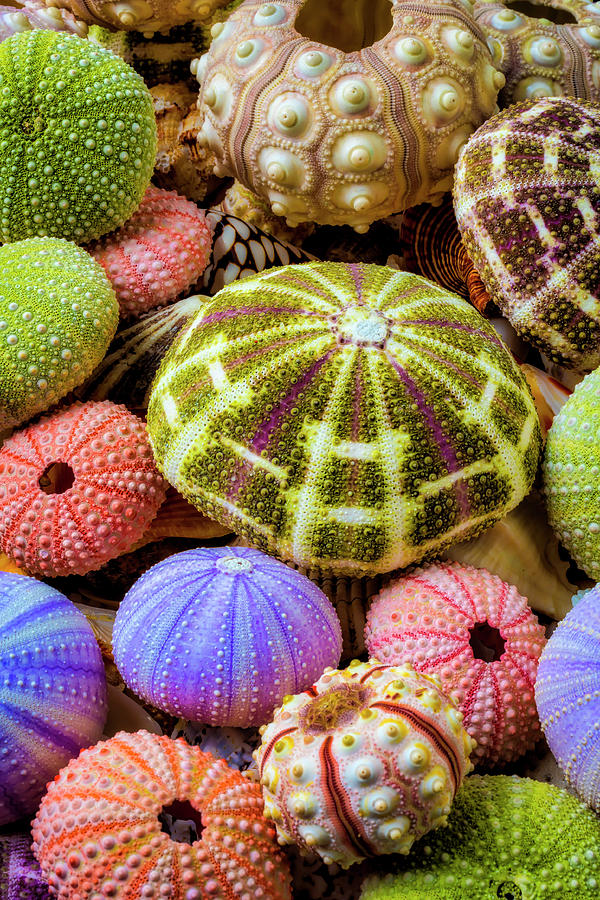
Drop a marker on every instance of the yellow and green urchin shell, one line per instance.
(348, 417)
(58, 315)
(77, 138)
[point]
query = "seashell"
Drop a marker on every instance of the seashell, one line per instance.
(364, 763)
(35, 14)
(549, 394)
(101, 621)
(146, 16)
(545, 48)
(252, 209)
(125, 714)
(177, 518)
(332, 132)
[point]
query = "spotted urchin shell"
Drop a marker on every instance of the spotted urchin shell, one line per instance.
(52, 694)
(78, 136)
(348, 417)
(157, 254)
(146, 16)
(20, 875)
(338, 137)
(255, 630)
(543, 58)
(364, 762)
(59, 314)
(34, 14)
(104, 806)
(478, 635)
(567, 692)
(507, 837)
(527, 200)
(107, 489)
(571, 465)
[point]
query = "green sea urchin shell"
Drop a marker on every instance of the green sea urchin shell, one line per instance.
(506, 837)
(347, 417)
(77, 138)
(58, 314)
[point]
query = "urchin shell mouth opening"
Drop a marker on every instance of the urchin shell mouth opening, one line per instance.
(181, 822)
(31, 125)
(339, 705)
(57, 478)
(486, 642)
(541, 11)
(359, 24)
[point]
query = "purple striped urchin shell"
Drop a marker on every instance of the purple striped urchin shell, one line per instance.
(52, 690)
(221, 635)
(567, 693)
(20, 874)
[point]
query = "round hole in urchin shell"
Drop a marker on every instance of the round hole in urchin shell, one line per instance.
(57, 478)
(346, 25)
(486, 642)
(178, 818)
(541, 11)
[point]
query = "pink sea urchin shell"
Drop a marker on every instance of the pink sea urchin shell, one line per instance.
(77, 488)
(97, 832)
(157, 254)
(479, 636)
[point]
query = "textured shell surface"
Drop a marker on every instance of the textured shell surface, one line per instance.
(78, 136)
(53, 693)
(507, 837)
(363, 763)
(344, 417)
(34, 14)
(252, 630)
(339, 136)
(567, 693)
(146, 16)
(20, 874)
(552, 53)
(570, 467)
(77, 488)
(527, 200)
(59, 314)
(478, 635)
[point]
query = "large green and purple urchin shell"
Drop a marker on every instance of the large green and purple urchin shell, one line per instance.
(347, 417)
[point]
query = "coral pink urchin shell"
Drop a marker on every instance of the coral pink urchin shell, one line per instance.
(340, 137)
(107, 492)
(439, 619)
(163, 249)
(97, 832)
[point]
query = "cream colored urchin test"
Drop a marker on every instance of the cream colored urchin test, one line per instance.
(344, 134)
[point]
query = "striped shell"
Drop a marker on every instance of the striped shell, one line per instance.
(52, 690)
(364, 762)
(346, 417)
(567, 693)
(241, 631)
(478, 635)
(97, 832)
(527, 202)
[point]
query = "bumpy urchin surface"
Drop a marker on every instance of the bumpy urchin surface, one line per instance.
(20, 874)
(567, 692)
(349, 417)
(478, 635)
(35, 14)
(571, 465)
(77, 488)
(52, 694)
(146, 16)
(58, 316)
(77, 136)
(100, 816)
(241, 631)
(365, 761)
(507, 837)
(527, 201)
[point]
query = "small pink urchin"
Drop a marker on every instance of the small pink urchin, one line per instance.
(157, 254)
(77, 488)
(476, 633)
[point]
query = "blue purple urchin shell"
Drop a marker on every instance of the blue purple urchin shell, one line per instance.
(567, 693)
(20, 874)
(222, 635)
(52, 690)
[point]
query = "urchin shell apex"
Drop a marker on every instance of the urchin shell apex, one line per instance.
(348, 417)
(339, 137)
(77, 137)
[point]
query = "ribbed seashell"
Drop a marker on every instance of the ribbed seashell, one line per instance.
(549, 394)
(364, 762)
(567, 693)
(35, 14)
(177, 518)
(146, 16)
(554, 53)
(350, 133)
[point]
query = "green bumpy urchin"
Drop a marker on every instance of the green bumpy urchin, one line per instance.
(507, 837)
(58, 315)
(77, 138)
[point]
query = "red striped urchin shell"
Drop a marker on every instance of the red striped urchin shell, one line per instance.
(77, 488)
(157, 254)
(478, 635)
(97, 832)
(364, 762)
